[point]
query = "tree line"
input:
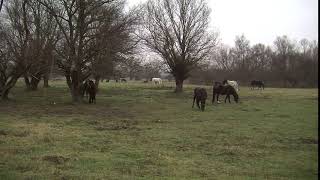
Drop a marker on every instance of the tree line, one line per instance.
(287, 63)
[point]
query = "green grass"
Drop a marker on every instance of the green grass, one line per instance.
(139, 131)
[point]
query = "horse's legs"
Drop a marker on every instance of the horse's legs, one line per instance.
(213, 97)
(225, 99)
(194, 97)
(229, 98)
(218, 98)
(198, 100)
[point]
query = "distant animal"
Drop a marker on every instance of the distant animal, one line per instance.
(156, 80)
(123, 80)
(92, 92)
(200, 95)
(146, 81)
(257, 83)
(219, 89)
(231, 83)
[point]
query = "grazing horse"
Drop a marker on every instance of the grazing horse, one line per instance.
(200, 95)
(92, 92)
(234, 84)
(156, 80)
(227, 90)
(257, 83)
(123, 80)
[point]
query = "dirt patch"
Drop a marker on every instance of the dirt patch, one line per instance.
(283, 116)
(120, 125)
(256, 109)
(112, 127)
(23, 168)
(308, 141)
(24, 133)
(3, 132)
(55, 159)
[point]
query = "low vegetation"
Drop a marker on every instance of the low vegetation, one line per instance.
(140, 131)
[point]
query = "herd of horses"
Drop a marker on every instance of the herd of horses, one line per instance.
(227, 88)
(89, 89)
(153, 80)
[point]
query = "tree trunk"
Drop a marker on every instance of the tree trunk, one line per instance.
(7, 87)
(27, 82)
(97, 80)
(76, 96)
(75, 86)
(46, 81)
(4, 95)
(179, 86)
(75, 91)
(131, 75)
(34, 83)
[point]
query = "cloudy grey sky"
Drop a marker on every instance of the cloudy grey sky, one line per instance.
(262, 20)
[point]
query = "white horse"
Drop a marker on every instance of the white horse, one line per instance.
(156, 80)
(234, 84)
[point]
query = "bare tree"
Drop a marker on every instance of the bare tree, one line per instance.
(91, 30)
(80, 22)
(16, 57)
(283, 59)
(152, 69)
(43, 36)
(118, 42)
(241, 53)
(1, 3)
(178, 31)
(260, 61)
(131, 66)
(224, 58)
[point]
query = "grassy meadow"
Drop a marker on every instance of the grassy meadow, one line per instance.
(140, 131)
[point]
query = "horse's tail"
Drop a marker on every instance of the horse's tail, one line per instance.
(213, 96)
(194, 97)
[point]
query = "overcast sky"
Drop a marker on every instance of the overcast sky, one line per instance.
(262, 20)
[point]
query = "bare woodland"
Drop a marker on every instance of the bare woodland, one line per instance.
(98, 39)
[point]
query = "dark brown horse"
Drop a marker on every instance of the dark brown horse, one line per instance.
(92, 92)
(227, 90)
(89, 88)
(200, 95)
(257, 83)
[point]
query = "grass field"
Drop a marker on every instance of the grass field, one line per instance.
(138, 131)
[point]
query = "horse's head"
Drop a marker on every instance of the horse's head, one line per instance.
(203, 104)
(236, 97)
(224, 82)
